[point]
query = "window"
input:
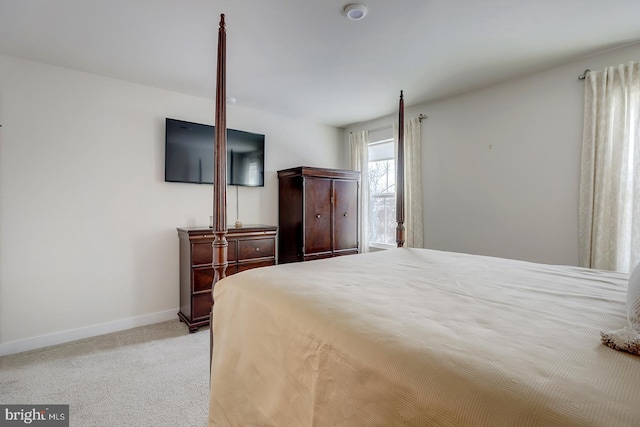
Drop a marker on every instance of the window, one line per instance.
(382, 194)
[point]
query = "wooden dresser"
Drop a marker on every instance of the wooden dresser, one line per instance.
(249, 247)
(318, 213)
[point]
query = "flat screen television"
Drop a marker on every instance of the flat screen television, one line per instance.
(189, 154)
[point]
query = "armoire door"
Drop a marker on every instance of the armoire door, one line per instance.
(317, 215)
(345, 215)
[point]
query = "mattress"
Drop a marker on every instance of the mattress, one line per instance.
(421, 337)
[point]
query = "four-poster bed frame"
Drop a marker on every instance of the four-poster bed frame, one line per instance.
(412, 336)
(220, 177)
(220, 244)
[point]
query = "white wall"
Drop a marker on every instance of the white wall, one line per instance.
(501, 165)
(88, 240)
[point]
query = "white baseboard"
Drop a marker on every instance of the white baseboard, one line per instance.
(41, 341)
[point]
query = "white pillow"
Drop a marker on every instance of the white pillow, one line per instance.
(633, 299)
(628, 338)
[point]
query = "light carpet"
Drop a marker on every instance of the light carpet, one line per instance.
(156, 375)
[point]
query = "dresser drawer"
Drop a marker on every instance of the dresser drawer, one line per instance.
(202, 253)
(202, 278)
(232, 251)
(247, 265)
(231, 269)
(256, 248)
(201, 305)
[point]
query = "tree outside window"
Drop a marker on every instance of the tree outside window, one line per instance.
(382, 189)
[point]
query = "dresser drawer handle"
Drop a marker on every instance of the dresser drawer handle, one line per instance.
(257, 249)
(318, 216)
(345, 214)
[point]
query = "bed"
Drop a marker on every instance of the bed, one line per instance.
(416, 337)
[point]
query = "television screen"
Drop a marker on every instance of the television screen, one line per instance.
(189, 154)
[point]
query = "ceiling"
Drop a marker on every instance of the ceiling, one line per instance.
(304, 59)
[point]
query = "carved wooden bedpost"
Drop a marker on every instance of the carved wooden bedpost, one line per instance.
(220, 243)
(400, 177)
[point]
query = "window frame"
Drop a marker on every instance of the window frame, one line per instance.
(393, 195)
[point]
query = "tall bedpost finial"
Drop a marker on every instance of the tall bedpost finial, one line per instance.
(400, 237)
(220, 244)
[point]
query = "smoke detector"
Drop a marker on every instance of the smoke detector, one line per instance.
(355, 11)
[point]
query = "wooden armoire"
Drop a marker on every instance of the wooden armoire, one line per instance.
(318, 213)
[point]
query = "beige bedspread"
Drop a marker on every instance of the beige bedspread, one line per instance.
(424, 338)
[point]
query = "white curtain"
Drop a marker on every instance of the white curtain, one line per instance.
(412, 182)
(609, 212)
(358, 144)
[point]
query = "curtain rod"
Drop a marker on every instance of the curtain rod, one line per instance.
(421, 117)
(584, 75)
(380, 128)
